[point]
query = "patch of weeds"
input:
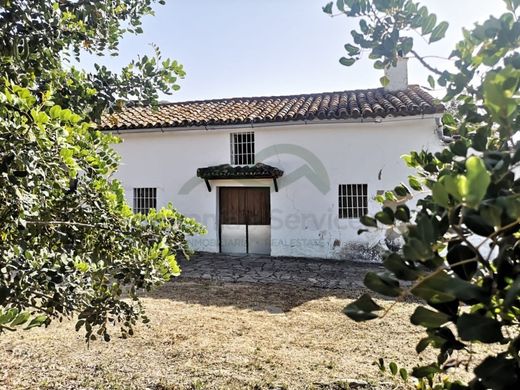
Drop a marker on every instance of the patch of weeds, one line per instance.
(198, 385)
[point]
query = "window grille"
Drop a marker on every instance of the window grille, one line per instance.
(144, 200)
(243, 148)
(353, 200)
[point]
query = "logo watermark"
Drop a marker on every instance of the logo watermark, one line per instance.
(313, 169)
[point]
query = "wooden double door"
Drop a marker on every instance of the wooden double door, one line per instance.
(245, 219)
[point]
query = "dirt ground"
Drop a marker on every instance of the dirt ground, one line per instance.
(209, 335)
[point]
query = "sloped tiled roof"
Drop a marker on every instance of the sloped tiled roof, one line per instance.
(235, 111)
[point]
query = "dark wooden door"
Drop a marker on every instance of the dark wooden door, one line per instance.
(245, 206)
(245, 219)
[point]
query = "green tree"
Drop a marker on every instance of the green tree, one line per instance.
(461, 251)
(69, 242)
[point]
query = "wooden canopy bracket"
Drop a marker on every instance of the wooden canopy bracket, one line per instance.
(275, 184)
(208, 185)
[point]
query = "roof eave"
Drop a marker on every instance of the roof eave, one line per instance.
(252, 125)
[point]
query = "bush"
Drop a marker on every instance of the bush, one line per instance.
(461, 252)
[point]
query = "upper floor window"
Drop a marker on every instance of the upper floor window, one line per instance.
(145, 199)
(353, 200)
(243, 148)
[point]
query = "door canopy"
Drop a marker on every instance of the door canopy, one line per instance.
(227, 171)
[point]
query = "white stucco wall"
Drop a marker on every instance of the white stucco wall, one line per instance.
(315, 158)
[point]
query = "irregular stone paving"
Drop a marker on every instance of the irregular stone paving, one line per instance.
(308, 272)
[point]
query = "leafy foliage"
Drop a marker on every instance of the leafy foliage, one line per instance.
(461, 252)
(69, 242)
(38, 37)
(383, 26)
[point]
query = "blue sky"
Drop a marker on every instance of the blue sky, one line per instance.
(233, 48)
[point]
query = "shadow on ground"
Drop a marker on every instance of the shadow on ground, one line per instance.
(275, 285)
(273, 298)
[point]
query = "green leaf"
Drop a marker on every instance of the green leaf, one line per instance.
(478, 179)
(8, 316)
(423, 344)
(457, 252)
(479, 139)
(368, 221)
(439, 32)
(55, 112)
(428, 318)
(328, 8)
(426, 371)
(390, 196)
(428, 24)
(381, 364)
(431, 81)
(441, 287)
(492, 214)
(402, 213)
(404, 374)
(512, 5)
(401, 190)
(383, 284)
(440, 195)
(362, 309)
(346, 61)
(363, 26)
(496, 372)
(407, 45)
(511, 204)
(474, 327)
(414, 183)
(399, 268)
(450, 184)
(351, 49)
(384, 81)
(459, 148)
(379, 65)
(37, 321)
(393, 368)
(21, 318)
(79, 324)
(476, 223)
(385, 216)
(415, 249)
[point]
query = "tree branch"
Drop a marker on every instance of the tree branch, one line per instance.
(425, 64)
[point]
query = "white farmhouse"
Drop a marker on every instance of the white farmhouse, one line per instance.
(278, 175)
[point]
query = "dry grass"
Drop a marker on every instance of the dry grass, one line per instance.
(206, 335)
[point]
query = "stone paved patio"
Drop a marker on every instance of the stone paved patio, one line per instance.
(321, 273)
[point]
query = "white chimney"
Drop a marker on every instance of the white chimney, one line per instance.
(397, 75)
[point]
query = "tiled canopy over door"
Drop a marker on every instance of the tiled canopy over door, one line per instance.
(245, 218)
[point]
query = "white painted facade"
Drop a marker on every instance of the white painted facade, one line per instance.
(316, 158)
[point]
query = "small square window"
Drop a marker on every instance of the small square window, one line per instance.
(145, 199)
(352, 200)
(243, 148)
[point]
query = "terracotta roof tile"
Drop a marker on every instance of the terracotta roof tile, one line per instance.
(332, 105)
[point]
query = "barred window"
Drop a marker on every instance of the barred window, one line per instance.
(145, 199)
(243, 148)
(353, 200)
